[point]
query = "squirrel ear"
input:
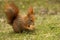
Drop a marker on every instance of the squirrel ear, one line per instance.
(30, 9)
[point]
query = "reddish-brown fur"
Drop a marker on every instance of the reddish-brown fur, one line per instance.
(18, 22)
(11, 11)
(30, 17)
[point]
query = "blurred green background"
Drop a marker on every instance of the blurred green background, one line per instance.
(47, 21)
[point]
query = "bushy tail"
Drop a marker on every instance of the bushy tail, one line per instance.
(11, 11)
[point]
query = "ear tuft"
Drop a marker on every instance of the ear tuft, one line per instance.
(30, 9)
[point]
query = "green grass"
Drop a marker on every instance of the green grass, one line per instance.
(47, 26)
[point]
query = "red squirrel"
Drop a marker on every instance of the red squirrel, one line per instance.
(19, 23)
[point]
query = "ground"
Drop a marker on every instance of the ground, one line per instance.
(47, 25)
